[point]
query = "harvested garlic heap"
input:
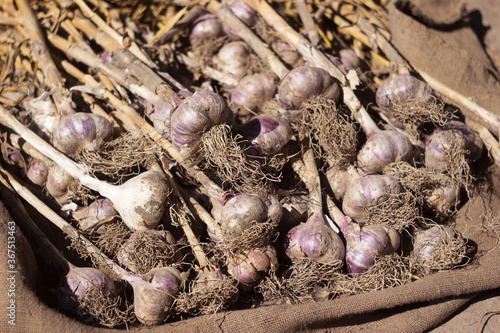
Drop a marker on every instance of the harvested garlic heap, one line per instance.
(325, 192)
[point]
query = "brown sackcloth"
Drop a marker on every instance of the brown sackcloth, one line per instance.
(415, 307)
(436, 37)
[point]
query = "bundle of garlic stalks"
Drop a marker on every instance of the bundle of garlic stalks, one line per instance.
(206, 156)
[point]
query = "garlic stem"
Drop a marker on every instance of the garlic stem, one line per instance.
(188, 231)
(247, 35)
(134, 48)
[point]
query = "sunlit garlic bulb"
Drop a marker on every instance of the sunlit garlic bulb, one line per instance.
(81, 130)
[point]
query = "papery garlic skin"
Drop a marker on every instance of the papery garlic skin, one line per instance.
(233, 59)
(266, 134)
(248, 267)
(95, 214)
(314, 240)
(81, 130)
(194, 116)
(253, 90)
(383, 148)
(367, 191)
(141, 200)
(154, 297)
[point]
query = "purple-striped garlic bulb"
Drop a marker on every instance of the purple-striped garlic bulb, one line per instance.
(364, 244)
(349, 59)
(205, 27)
(402, 89)
(244, 12)
(454, 137)
(81, 282)
(248, 267)
(193, 117)
(81, 130)
(233, 59)
(243, 211)
(38, 172)
(253, 91)
(61, 185)
(94, 215)
(315, 240)
(266, 134)
(287, 53)
(383, 148)
(368, 191)
(303, 83)
(155, 293)
(440, 247)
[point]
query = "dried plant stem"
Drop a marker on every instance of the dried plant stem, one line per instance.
(308, 173)
(133, 47)
(23, 218)
(86, 56)
(208, 71)
(20, 143)
(123, 58)
(337, 215)
(307, 21)
(183, 23)
(53, 78)
(490, 142)
(188, 231)
(490, 119)
(196, 207)
(245, 33)
(382, 42)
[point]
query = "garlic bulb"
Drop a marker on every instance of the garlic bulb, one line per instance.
(61, 185)
(266, 134)
(303, 83)
(95, 214)
(81, 130)
(383, 148)
(314, 240)
(205, 27)
(38, 172)
(233, 59)
(155, 293)
(242, 11)
(140, 200)
(253, 90)
(249, 267)
(194, 116)
(368, 191)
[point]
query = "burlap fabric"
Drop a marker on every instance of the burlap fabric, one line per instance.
(415, 307)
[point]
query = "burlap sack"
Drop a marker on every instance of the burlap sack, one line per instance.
(415, 307)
